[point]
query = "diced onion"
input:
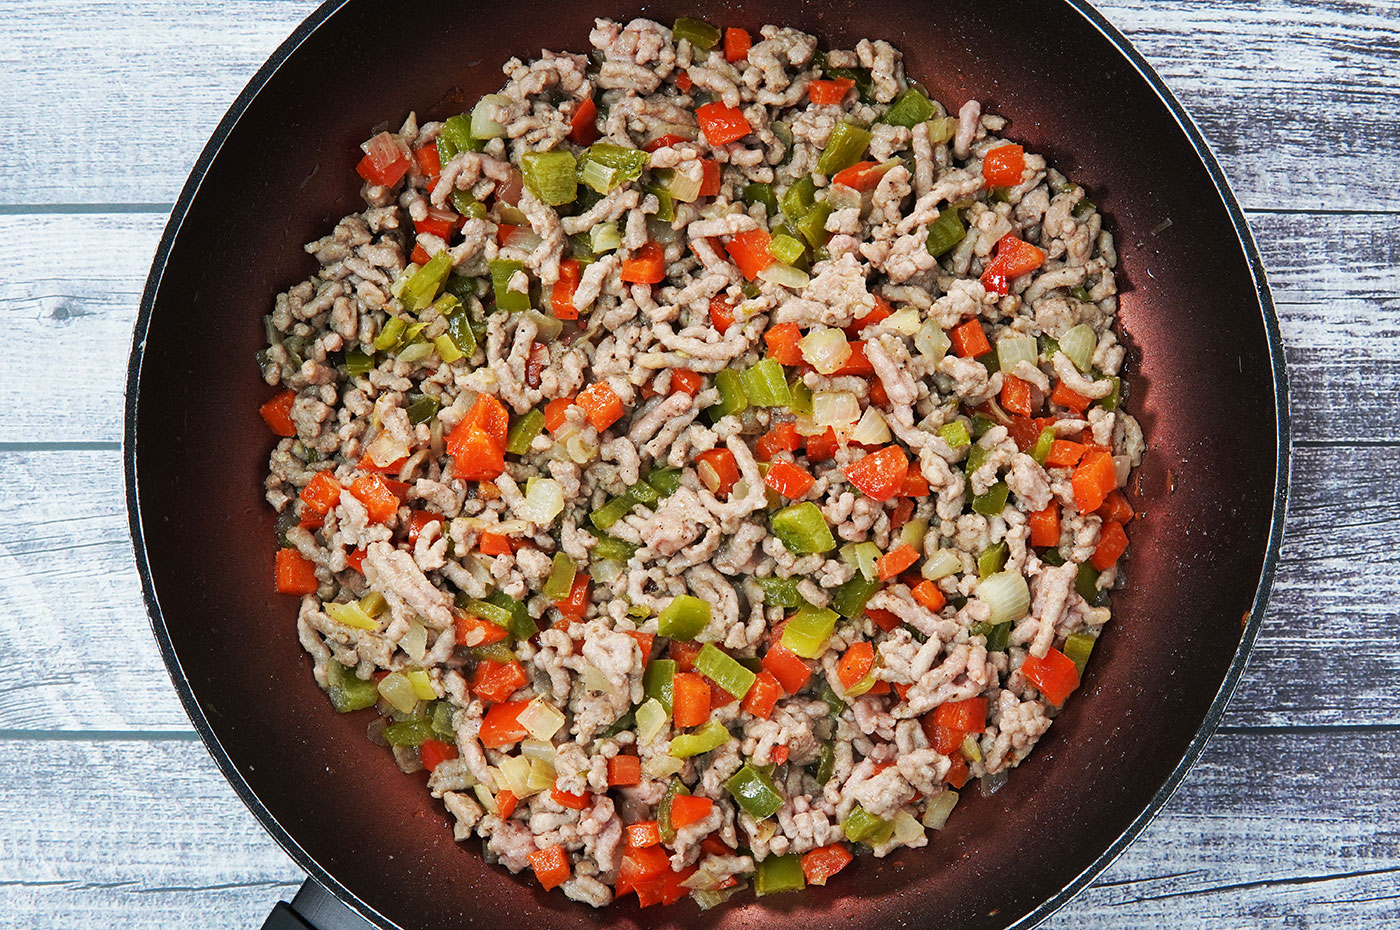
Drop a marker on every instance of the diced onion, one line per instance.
(941, 564)
(483, 126)
(605, 237)
(871, 430)
(407, 759)
(1006, 594)
(907, 830)
(1078, 345)
(513, 775)
(533, 749)
(932, 342)
(805, 426)
(523, 239)
(701, 881)
(1013, 348)
(487, 799)
(352, 615)
(651, 717)
(938, 809)
(906, 321)
(596, 682)
(415, 641)
(540, 719)
(861, 556)
(541, 775)
(385, 450)
(549, 327)
(785, 276)
(825, 349)
(606, 571)
(913, 533)
(993, 782)
(970, 750)
(416, 352)
(398, 691)
(544, 500)
(839, 409)
(422, 685)
(662, 765)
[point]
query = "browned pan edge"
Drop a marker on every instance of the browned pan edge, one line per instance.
(1212, 717)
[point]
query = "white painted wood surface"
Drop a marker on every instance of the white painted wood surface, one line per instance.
(111, 813)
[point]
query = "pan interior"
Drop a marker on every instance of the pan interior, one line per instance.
(1200, 378)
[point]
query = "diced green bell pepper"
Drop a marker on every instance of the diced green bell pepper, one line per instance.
(723, 670)
(861, 826)
(754, 792)
(708, 737)
(803, 529)
(347, 691)
(808, 630)
(777, 874)
(683, 618)
(657, 681)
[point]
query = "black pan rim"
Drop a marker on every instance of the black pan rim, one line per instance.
(1194, 750)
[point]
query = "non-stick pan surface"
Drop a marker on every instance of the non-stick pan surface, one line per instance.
(1206, 379)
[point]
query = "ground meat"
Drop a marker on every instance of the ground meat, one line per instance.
(518, 522)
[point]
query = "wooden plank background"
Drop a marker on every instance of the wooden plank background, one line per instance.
(111, 813)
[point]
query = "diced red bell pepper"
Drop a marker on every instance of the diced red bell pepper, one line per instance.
(551, 866)
(830, 91)
(915, 485)
(489, 414)
(644, 644)
(930, 595)
(855, 663)
(642, 834)
(823, 447)
(554, 413)
(1003, 166)
(1016, 395)
(1065, 397)
(1092, 479)
(600, 404)
(687, 809)
(722, 124)
(886, 620)
(881, 474)
(646, 266)
(477, 456)
(782, 341)
(763, 695)
(576, 802)
(786, 666)
(583, 126)
(1116, 507)
(686, 381)
(561, 298)
(1113, 542)
(862, 176)
(856, 363)
(718, 471)
(749, 249)
(958, 772)
(721, 313)
(663, 142)
(493, 544)
(684, 654)
(321, 493)
(429, 162)
(781, 437)
(418, 521)
(496, 681)
(737, 43)
(710, 177)
(1045, 526)
(624, 771)
(969, 715)
(825, 861)
(438, 223)
(690, 699)
(296, 574)
(576, 604)
(501, 725)
(277, 413)
(1014, 257)
(474, 631)
(1064, 453)
(1055, 675)
(506, 802)
(434, 752)
(385, 163)
(378, 497)
(789, 480)
(896, 561)
(969, 339)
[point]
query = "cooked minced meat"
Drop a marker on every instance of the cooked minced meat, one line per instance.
(704, 455)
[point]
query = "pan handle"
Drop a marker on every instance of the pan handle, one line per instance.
(314, 908)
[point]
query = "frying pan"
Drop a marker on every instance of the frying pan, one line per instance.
(1206, 379)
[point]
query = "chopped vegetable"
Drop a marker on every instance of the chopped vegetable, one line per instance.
(1055, 675)
(1113, 542)
(684, 618)
(823, 862)
(277, 413)
(646, 266)
(861, 826)
(750, 252)
(723, 670)
(722, 124)
(688, 809)
(707, 738)
(880, 474)
(808, 630)
(765, 384)
(551, 176)
(1093, 479)
(551, 866)
(583, 126)
(697, 32)
(896, 561)
(844, 147)
(718, 471)
(600, 404)
(909, 109)
(295, 573)
(777, 874)
(829, 92)
(754, 792)
(1014, 257)
(969, 340)
(803, 529)
(1007, 594)
(347, 691)
(690, 697)
(944, 233)
(993, 502)
(1003, 166)
(737, 43)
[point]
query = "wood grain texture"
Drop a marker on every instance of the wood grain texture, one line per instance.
(112, 814)
(1335, 278)
(1292, 94)
(77, 653)
(176, 848)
